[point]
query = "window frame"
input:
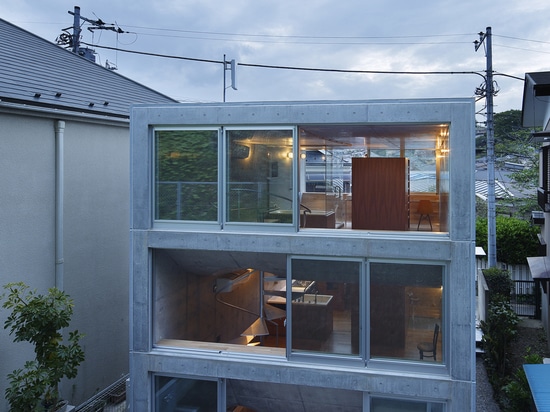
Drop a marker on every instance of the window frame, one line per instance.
(444, 333)
(188, 224)
(244, 226)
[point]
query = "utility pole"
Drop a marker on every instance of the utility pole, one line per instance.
(76, 29)
(489, 93)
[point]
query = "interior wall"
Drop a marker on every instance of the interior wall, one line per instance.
(187, 307)
(169, 305)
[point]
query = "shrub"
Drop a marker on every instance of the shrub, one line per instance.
(516, 239)
(499, 282)
(499, 329)
(517, 391)
(38, 319)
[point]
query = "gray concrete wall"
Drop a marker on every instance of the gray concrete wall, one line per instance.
(96, 242)
(452, 382)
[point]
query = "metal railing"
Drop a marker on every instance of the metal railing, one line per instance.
(114, 395)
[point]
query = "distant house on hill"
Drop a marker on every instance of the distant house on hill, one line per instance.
(64, 195)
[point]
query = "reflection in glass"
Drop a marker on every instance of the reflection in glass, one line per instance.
(326, 188)
(396, 405)
(182, 394)
(405, 309)
(325, 306)
(186, 175)
(259, 170)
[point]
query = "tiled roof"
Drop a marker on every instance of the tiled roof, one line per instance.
(36, 72)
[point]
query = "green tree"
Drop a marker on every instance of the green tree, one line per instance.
(516, 239)
(39, 319)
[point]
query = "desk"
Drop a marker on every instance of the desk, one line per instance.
(319, 219)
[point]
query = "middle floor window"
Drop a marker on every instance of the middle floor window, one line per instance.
(300, 305)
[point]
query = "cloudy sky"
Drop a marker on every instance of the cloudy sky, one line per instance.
(270, 39)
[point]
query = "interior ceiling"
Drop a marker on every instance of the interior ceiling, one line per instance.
(417, 136)
(205, 262)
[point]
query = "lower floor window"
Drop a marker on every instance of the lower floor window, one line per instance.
(178, 394)
(185, 394)
(398, 405)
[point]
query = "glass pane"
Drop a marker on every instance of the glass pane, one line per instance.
(327, 153)
(400, 405)
(179, 394)
(186, 175)
(259, 182)
(325, 306)
(406, 311)
(243, 306)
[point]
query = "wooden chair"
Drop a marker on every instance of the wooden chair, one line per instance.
(425, 209)
(429, 347)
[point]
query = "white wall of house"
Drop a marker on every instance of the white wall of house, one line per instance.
(95, 217)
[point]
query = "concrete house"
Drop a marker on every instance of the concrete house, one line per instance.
(303, 256)
(64, 196)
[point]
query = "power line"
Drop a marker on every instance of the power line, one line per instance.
(519, 38)
(280, 36)
(298, 68)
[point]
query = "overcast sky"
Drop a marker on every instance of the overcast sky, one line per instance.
(346, 35)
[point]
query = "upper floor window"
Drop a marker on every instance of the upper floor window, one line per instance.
(259, 186)
(364, 177)
(186, 174)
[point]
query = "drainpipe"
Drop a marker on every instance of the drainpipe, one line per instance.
(59, 259)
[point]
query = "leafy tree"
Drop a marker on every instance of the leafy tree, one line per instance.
(516, 239)
(39, 319)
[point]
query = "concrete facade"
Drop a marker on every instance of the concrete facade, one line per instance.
(264, 380)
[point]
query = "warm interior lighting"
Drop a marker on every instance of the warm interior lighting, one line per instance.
(302, 155)
(290, 155)
(258, 328)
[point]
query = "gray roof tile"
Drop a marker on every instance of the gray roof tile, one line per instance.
(36, 72)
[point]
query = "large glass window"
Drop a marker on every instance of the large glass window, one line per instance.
(325, 306)
(406, 311)
(186, 175)
(350, 177)
(259, 175)
(185, 394)
(404, 405)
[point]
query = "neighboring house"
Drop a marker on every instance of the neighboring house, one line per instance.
(255, 290)
(536, 113)
(64, 196)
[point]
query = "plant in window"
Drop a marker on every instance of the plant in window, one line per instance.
(38, 319)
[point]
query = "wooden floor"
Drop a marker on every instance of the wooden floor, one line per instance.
(413, 224)
(339, 342)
